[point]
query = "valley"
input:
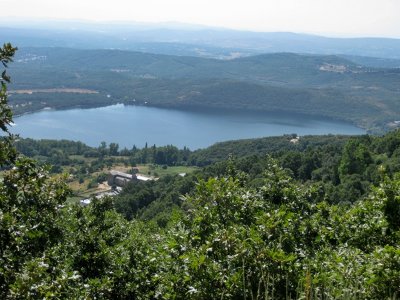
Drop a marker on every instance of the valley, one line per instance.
(193, 162)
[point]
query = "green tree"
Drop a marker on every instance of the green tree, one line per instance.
(103, 149)
(29, 199)
(114, 149)
(7, 151)
(355, 158)
(6, 54)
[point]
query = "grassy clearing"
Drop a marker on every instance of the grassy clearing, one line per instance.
(160, 171)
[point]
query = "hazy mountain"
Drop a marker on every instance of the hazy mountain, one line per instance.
(183, 39)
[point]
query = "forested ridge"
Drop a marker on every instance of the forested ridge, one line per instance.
(315, 219)
(344, 167)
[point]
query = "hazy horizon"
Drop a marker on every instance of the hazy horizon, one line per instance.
(337, 18)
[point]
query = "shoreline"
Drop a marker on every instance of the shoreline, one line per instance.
(208, 110)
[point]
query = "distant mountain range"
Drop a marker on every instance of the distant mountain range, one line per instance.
(191, 40)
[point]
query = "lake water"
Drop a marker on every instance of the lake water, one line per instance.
(136, 125)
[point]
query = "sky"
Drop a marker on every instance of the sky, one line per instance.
(328, 17)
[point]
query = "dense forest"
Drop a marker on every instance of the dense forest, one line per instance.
(261, 219)
(344, 167)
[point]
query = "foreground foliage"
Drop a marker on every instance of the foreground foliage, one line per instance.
(234, 241)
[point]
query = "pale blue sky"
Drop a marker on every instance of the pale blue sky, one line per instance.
(329, 17)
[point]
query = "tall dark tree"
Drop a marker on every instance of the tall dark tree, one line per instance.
(7, 152)
(114, 149)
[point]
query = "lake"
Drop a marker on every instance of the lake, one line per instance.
(136, 125)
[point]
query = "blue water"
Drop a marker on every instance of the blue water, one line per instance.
(136, 125)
